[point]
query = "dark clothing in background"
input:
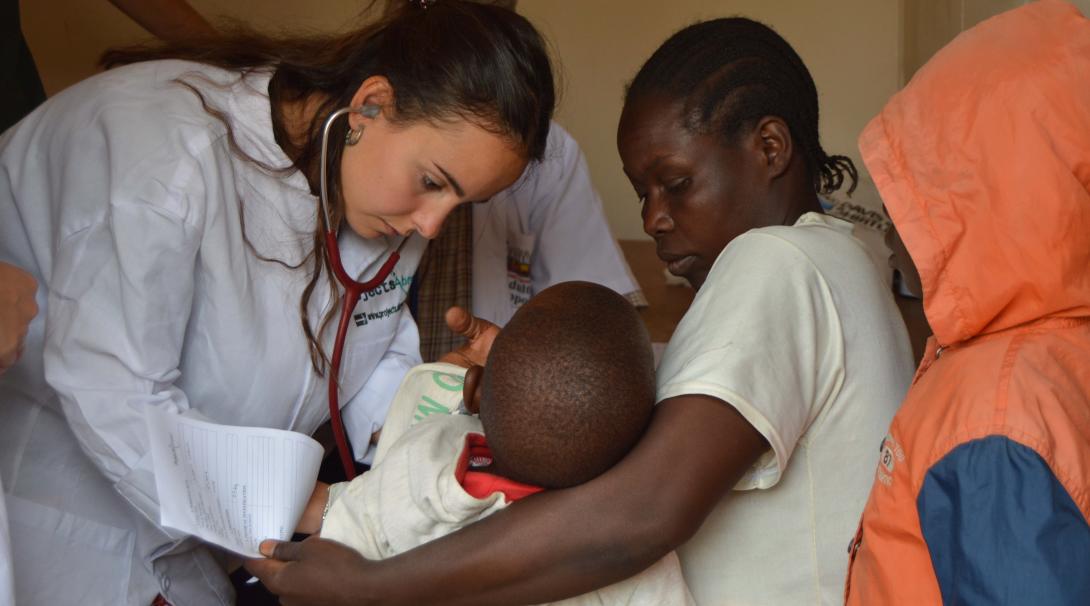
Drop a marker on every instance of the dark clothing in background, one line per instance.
(20, 87)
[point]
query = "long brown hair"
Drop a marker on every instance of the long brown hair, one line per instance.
(446, 59)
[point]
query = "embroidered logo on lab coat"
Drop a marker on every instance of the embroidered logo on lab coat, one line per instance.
(520, 249)
(395, 284)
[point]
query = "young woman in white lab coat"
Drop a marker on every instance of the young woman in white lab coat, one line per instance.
(167, 209)
(549, 227)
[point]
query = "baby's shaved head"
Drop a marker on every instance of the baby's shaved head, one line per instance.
(569, 386)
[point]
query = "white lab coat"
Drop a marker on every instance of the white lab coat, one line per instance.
(122, 196)
(7, 581)
(548, 227)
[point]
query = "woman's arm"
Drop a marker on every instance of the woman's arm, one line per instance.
(122, 283)
(17, 309)
(554, 545)
(119, 304)
(311, 522)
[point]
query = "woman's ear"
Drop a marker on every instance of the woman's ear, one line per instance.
(775, 144)
(471, 389)
(375, 91)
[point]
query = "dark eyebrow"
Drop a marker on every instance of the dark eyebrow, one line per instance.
(651, 166)
(658, 160)
(453, 182)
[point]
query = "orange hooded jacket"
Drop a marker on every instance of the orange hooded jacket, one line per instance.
(982, 492)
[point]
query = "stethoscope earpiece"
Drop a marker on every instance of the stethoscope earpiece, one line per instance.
(370, 111)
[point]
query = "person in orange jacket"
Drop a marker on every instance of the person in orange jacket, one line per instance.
(982, 491)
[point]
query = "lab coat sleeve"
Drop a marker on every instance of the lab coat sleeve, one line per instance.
(573, 238)
(366, 412)
(119, 302)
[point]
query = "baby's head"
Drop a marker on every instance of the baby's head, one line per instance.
(568, 388)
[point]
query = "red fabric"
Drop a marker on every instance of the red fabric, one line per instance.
(480, 484)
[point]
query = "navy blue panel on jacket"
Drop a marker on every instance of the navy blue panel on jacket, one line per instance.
(1001, 528)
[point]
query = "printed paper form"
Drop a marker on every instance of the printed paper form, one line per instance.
(232, 486)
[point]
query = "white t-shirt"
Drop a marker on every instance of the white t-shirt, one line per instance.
(796, 328)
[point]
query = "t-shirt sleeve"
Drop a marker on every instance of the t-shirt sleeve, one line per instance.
(764, 336)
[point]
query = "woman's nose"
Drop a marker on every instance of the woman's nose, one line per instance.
(656, 219)
(428, 222)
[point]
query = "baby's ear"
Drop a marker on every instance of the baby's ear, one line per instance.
(471, 389)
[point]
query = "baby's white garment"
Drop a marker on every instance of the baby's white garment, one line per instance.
(413, 494)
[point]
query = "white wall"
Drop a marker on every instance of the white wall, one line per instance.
(852, 48)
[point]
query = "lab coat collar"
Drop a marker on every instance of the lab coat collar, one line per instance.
(251, 120)
(252, 123)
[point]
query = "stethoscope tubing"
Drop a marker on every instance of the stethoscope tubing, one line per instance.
(353, 290)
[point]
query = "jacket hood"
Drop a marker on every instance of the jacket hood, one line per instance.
(983, 162)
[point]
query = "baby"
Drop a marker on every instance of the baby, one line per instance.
(568, 389)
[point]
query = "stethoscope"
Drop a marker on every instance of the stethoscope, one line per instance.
(353, 290)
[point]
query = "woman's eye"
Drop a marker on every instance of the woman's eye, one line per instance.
(430, 185)
(678, 185)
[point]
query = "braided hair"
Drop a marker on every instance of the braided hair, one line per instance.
(732, 72)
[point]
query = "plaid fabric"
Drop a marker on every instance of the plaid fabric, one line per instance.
(444, 279)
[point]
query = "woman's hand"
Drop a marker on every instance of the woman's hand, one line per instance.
(556, 544)
(481, 334)
(314, 572)
(311, 521)
(17, 309)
